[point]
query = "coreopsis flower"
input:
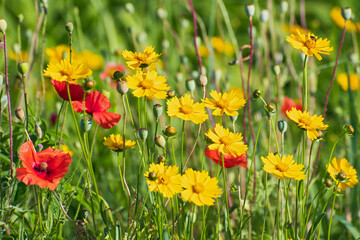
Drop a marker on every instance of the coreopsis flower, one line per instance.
(338, 19)
(116, 143)
(226, 142)
(164, 179)
(342, 165)
(148, 84)
(289, 103)
(93, 61)
(309, 123)
(310, 44)
(109, 70)
(222, 46)
(56, 54)
(227, 103)
(66, 149)
(76, 90)
(64, 71)
(283, 167)
(45, 168)
(229, 160)
(140, 60)
(96, 104)
(294, 28)
(186, 109)
(343, 81)
(21, 56)
(199, 187)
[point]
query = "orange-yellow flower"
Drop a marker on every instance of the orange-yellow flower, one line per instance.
(343, 81)
(64, 71)
(336, 16)
(342, 165)
(227, 103)
(140, 60)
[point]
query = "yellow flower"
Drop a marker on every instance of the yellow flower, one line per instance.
(237, 91)
(21, 56)
(310, 44)
(222, 46)
(343, 80)
(66, 149)
(336, 16)
(227, 103)
(294, 28)
(65, 71)
(283, 167)
(342, 165)
(204, 51)
(310, 123)
(140, 60)
(186, 109)
(56, 54)
(93, 61)
(199, 187)
(148, 84)
(116, 143)
(164, 179)
(225, 141)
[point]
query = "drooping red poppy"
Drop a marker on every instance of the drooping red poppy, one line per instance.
(229, 160)
(96, 104)
(76, 90)
(44, 168)
(289, 103)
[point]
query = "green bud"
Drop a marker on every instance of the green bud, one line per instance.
(3, 25)
(89, 84)
(284, 6)
(250, 9)
(143, 134)
(23, 68)
(170, 131)
(16, 48)
(282, 126)
(38, 131)
(203, 80)
(157, 110)
(69, 27)
(179, 76)
(20, 18)
(234, 118)
(19, 114)
(257, 93)
(346, 13)
(118, 75)
(184, 60)
(276, 69)
(162, 13)
(85, 126)
(160, 141)
(122, 88)
(161, 159)
(190, 85)
(152, 176)
(264, 15)
(170, 94)
(130, 8)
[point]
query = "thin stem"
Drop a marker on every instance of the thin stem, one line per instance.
(227, 221)
(331, 216)
(63, 123)
(305, 86)
(182, 144)
(124, 146)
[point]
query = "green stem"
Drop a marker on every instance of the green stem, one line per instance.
(305, 86)
(277, 211)
(331, 216)
(182, 145)
(227, 221)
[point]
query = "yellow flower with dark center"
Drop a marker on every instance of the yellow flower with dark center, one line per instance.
(227, 103)
(225, 141)
(93, 61)
(64, 71)
(186, 109)
(336, 16)
(310, 44)
(116, 143)
(163, 179)
(310, 123)
(343, 81)
(283, 167)
(199, 187)
(343, 166)
(140, 60)
(148, 84)
(56, 54)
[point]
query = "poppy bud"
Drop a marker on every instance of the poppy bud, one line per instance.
(38, 131)
(3, 25)
(20, 18)
(161, 159)
(121, 87)
(160, 141)
(170, 94)
(353, 57)
(328, 182)
(130, 8)
(341, 176)
(170, 131)
(106, 93)
(179, 76)
(257, 93)
(203, 80)
(16, 48)
(264, 15)
(117, 52)
(234, 118)
(349, 129)
(69, 27)
(165, 44)
(276, 69)
(157, 110)
(117, 75)
(249, 9)
(346, 13)
(143, 134)
(184, 60)
(282, 126)
(43, 166)
(284, 6)
(88, 124)
(89, 84)
(19, 114)
(152, 176)
(190, 85)
(23, 67)
(217, 75)
(162, 13)
(270, 110)
(184, 23)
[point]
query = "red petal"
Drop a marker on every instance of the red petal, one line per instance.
(78, 106)
(28, 155)
(229, 160)
(106, 119)
(96, 102)
(76, 91)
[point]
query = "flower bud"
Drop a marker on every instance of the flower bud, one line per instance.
(341, 176)
(39, 147)
(85, 125)
(282, 126)
(152, 176)
(117, 75)
(353, 58)
(38, 131)
(179, 76)
(284, 6)
(161, 159)
(184, 23)
(349, 129)
(19, 114)
(190, 85)
(346, 13)
(89, 84)
(257, 93)
(170, 131)
(338, 190)
(276, 69)
(160, 141)
(234, 118)
(170, 94)
(328, 182)
(143, 134)
(117, 52)
(165, 44)
(217, 75)
(3, 25)
(23, 67)
(69, 27)
(249, 9)
(184, 60)
(162, 13)
(157, 110)
(203, 80)
(130, 8)
(264, 15)
(106, 93)
(270, 110)
(121, 87)
(20, 18)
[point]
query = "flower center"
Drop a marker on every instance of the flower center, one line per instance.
(282, 167)
(186, 109)
(222, 103)
(43, 166)
(198, 188)
(311, 43)
(305, 120)
(225, 140)
(147, 84)
(164, 179)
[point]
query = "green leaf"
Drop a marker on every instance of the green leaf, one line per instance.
(314, 226)
(354, 231)
(20, 193)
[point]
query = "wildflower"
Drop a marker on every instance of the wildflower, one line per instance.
(343, 81)
(227, 103)
(186, 109)
(342, 165)
(140, 60)
(109, 70)
(76, 91)
(56, 54)
(66, 149)
(283, 167)
(336, 16)
(225, 141)
(96, 104)
(148, 84)
(19, 57)
(116, 143)
(164, 179)
(229, 160)
(64, 71)
(44, 168)
(222, 46)
(310, 123)
(93, 61)
(289, 103)
(310, 44)
(199, 187)
(294, 28)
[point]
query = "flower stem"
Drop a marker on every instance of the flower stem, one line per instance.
(182, 145)
(331, 216)
(124, 146)
(227, 220)
(305, 86)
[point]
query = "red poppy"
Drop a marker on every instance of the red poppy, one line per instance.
(44, 168)
(96, 105)
(229, 160)
(109, 70)
(76, 91)
(289, 103)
